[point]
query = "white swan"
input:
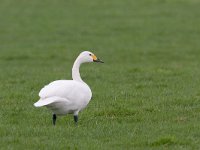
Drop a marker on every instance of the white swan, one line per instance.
(68, 96)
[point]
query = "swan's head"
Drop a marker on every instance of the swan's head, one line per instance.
(87, 56)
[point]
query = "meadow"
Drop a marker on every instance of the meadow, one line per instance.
(145, 96)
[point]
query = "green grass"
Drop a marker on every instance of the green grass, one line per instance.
(145, 96)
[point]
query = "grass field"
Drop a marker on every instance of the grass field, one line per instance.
(145, 96)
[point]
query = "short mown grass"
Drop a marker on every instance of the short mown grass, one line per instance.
(145, 96)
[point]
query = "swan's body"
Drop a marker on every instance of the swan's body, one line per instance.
(65, 96)
(68, 96)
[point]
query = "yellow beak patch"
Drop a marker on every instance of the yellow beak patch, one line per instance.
(94, 57)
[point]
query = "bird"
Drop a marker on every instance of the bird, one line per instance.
(64, 97)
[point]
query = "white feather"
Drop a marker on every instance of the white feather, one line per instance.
(72, 95)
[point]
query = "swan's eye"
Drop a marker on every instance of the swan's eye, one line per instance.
(90, 54)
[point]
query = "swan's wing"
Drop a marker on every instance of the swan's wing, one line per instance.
(50, 100)
(69, 89)
(59, 88)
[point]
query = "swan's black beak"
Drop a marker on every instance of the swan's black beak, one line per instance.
(98, 60)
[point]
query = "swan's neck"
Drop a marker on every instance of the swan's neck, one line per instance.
(75, 71)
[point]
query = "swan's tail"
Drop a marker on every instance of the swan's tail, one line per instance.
(47, 101)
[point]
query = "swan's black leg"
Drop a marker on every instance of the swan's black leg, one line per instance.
(54, 119)
(76, 119)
